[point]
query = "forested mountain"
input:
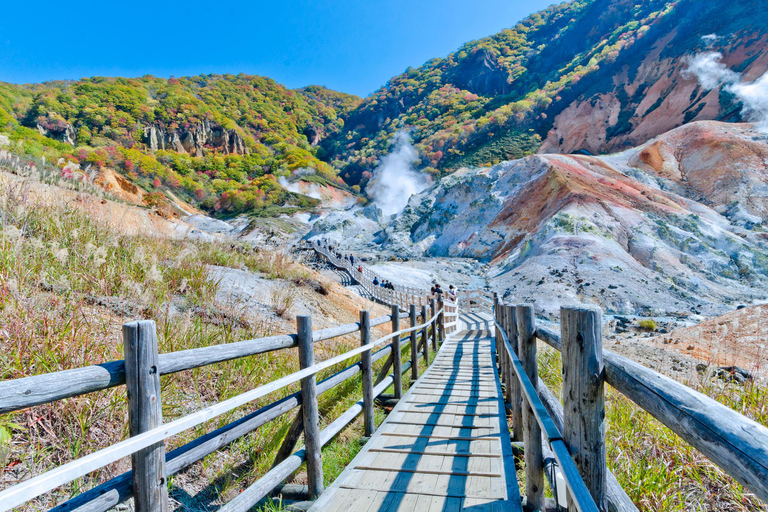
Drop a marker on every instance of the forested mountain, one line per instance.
(581, 76)
(219, 141)
(591, 75)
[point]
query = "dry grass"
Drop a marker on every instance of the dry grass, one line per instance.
(282, 299)
(67, 284)
(658, 469)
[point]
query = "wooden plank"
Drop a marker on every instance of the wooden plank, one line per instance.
(423, 452)
(142, 382)
(482, 415)
(436, 436)
(433, 424)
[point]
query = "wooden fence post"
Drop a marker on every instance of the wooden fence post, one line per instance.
(367, 373)
(397, 363)
(432, 313)
(583, 399)
(311, 416)
(534, 460)
(425, 334)
(145, 412)
(503, 353)
(497, 334)
(514, 396)
(414, 345)
(441, 320)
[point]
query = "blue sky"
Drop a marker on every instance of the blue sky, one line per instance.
(351, 46)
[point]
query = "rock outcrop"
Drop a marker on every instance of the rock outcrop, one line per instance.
(196, 139)
(63, 132)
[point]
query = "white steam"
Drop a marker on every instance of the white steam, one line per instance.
(754, 97)
(710, 39)
(310, 189)
(708, 68)
(395, 180)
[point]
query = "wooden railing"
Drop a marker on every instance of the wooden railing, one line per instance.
(141, 371)
(400, 294)
(475, 300)
(550, 431)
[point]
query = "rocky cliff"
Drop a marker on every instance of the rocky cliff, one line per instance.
(196, 139)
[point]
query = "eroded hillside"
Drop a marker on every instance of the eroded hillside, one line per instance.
(674, 227)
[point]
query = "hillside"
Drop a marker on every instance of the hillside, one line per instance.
(77, 265)
(673, 227)
(583, 76)
(219, 142)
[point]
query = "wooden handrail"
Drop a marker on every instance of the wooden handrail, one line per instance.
(48, 481)
(573, 480)
(735, 443)
(26, 392)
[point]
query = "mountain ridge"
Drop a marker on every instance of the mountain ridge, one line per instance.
(595, 75)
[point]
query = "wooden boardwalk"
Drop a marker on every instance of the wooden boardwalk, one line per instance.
(445, 446)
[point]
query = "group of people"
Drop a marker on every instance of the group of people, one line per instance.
(436, 291)
(383, 283)
(339, 255)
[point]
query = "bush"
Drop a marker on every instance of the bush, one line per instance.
(647, 325)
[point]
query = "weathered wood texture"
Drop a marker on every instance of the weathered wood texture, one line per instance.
(414, 346)
(367, 376)
(534, 462)
(737, 444)
(432, 313)
(575, 485)
(583, 397)
(734, 442)
(397, 361)
(514, 398)
(441, 321)
(310, 414)
(150, 490)
(424, 334)
(40, 389)
(618, 500)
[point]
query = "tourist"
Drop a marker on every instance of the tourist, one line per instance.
(452, 293)
(375, 281)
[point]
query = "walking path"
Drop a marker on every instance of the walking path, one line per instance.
(445, 446)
